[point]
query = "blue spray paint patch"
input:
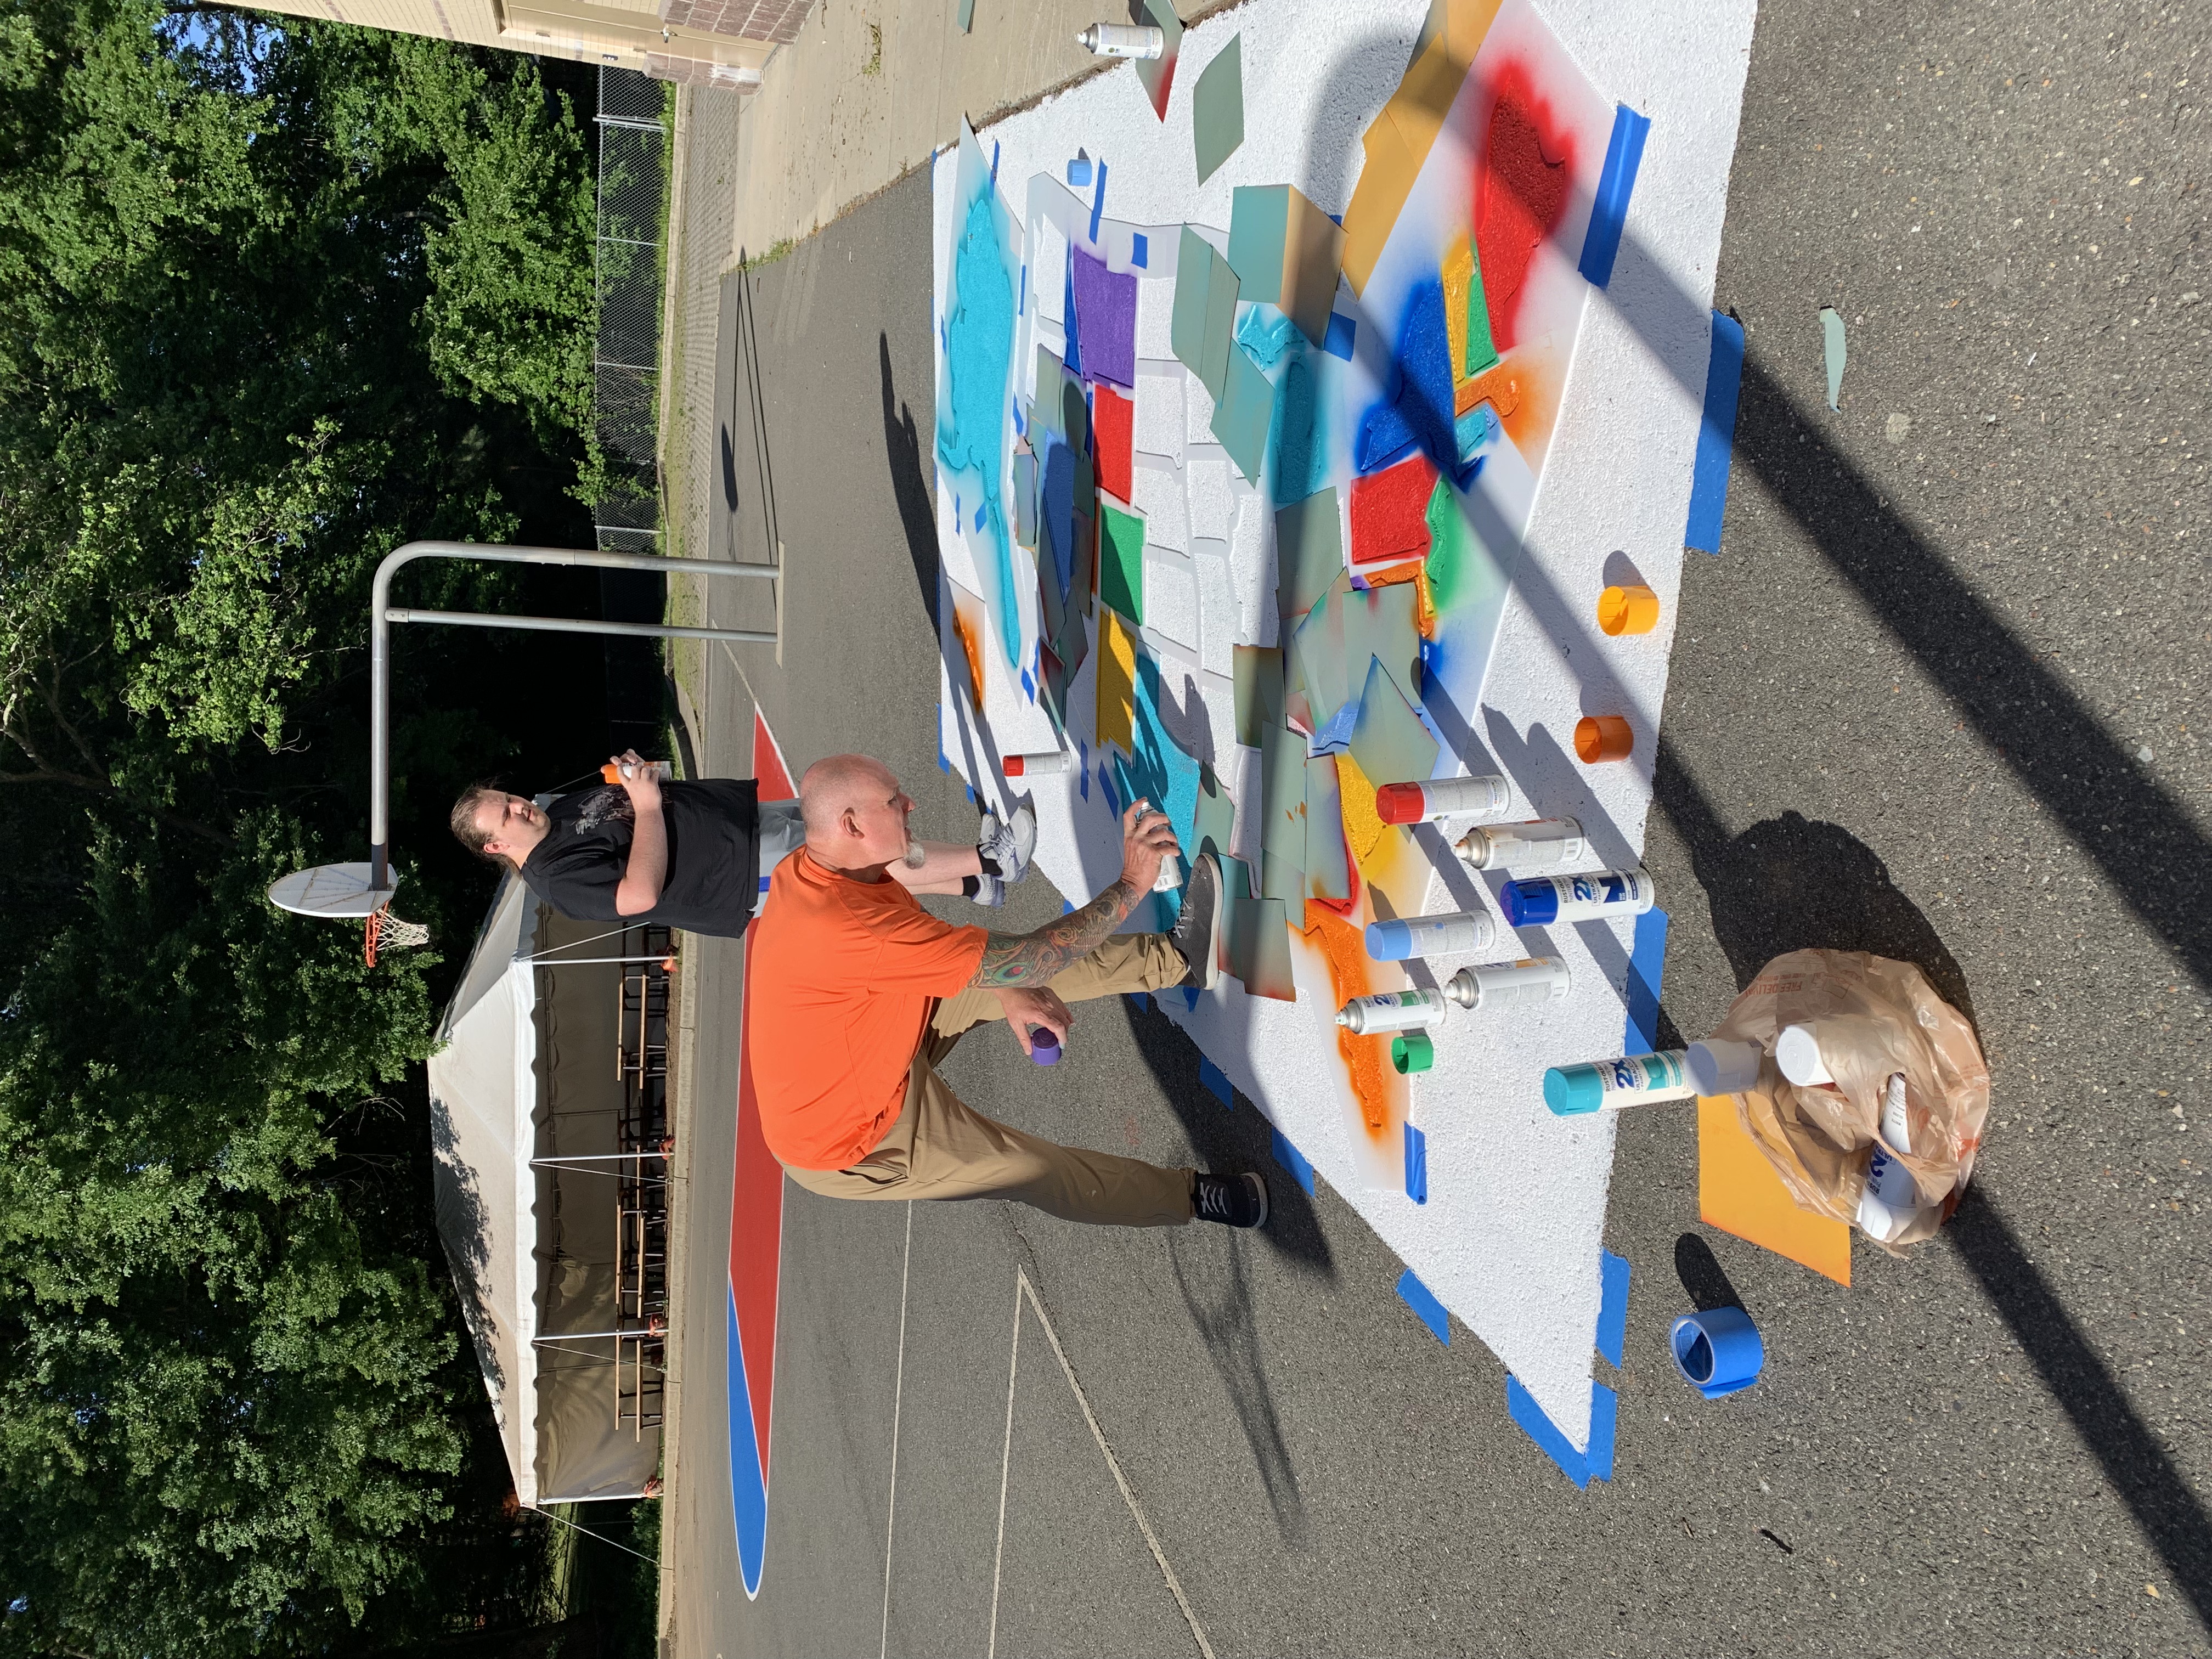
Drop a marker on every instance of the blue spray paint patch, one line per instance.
(1417, 410)
(1074, 355)
(1058, 514)
(1624, 152)
(1139, 250)
(979, 353)
(1581, 1468)
(1417, 1297)
(1612, 1306)
(1647, 959)
(1708, 480)
(1265, 342)
(1417, 1165)
(1029, 686)
(1216, 1083)
(1301, 441)
(1190, 993)
(1342, 331)
(1293, 1160)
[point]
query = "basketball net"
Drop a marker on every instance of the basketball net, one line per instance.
(387, 931)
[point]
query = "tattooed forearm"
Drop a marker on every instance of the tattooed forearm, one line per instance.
(1024, 960)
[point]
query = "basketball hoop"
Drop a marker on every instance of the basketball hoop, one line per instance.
(384, 931)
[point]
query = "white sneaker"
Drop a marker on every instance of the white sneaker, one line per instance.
(1009, 844)
(990, 891)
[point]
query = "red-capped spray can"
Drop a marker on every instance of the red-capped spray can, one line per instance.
(1441, 797)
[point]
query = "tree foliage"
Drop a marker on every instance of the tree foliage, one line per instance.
(271, 302)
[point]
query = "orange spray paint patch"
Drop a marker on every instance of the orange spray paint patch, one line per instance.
(1520, 194)
(1424, 616)
(968, 622)
(1346, 951)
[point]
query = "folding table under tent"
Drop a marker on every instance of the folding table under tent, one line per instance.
(530, 1068)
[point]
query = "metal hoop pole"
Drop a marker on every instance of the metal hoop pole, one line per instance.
(382, 614)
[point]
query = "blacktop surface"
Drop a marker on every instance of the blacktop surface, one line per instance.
(1941, 696)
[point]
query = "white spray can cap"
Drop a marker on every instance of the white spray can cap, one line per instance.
(1721, 1068)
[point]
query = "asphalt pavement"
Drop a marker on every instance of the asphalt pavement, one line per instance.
(1940, 697)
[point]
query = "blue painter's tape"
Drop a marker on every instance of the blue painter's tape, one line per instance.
(1338, 341)
(1139, 251)
(1612, 1306)
(1291, 1159)
(1647, 959)
(1605, 1416)
(943, 764)
(1609, 210)
(1099, 205)
(1106, 788)
(1189, 999)
(1142, 999)
(1217, 1082)
(1029, 686)
(1067, 908)
(763, 886)
(1084, 779)
(1417, 1165)
(1417, 1297)
(1709, 480)
(994, 142)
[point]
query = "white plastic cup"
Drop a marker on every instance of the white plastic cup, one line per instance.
(1452, 934)
(1531, 980)
(1414, 1009)
(1540, 844)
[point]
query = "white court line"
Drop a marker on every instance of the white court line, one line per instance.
(1021, 1288)
(898, 1389)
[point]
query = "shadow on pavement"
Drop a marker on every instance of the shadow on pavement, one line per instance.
(910, 485)
(1225, 1319)
(1702, 1275)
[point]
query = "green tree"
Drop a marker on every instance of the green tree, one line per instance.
(271, 302)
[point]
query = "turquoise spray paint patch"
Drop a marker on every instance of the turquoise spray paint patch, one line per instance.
(979, 357)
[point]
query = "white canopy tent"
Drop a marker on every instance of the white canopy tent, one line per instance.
(525, 1071)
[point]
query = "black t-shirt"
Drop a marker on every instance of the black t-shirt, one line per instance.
(713, 875)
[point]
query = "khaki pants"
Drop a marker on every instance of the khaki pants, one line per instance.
(942, 1148)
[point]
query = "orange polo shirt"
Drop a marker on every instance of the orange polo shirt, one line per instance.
(841, 979)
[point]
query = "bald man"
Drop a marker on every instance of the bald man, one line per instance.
(858, 995)
(695, 854)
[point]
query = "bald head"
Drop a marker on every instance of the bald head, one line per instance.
(855, 812)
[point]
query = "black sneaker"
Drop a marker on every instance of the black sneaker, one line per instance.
(1196, 934)
(1234, 1200)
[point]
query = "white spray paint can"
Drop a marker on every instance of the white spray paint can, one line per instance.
(1541, 844)
(1050, 764)
(1454, 933)
(1414, 1009)
(1441, 797)
(1891, 1197)
(1123, 41)
(1598, 897)
(1511, 984)
(1611, 1085)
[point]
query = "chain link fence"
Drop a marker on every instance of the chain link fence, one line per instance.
(633, 193)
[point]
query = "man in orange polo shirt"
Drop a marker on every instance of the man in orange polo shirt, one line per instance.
(857, 994)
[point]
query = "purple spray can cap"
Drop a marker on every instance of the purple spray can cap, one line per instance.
(1043, 1047)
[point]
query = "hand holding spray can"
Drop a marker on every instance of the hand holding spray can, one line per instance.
(623, 772)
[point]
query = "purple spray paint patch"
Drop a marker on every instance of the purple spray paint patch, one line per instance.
(1105, 318)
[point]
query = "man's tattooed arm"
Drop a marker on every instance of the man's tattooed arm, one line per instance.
(1022, 962)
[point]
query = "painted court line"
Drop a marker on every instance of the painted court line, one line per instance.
(1024, 1288)
(898, 1391)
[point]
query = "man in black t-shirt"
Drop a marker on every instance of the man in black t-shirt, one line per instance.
(694, 855)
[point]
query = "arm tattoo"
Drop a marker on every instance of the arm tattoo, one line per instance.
(1022, 962)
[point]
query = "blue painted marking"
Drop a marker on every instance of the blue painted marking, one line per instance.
(1217, 1083)
(1142, 999)
(1609, 210)
(1581, 1468)
(1018, 310)
(1708, 480)
(763, 886)
(943, 764)
(979, 518)
(1291, 1159)
(1029, 686)
(1139, 251)
(994, 161)
(1612, 1306)
(1646, 961)
(1097, 204)
(1604, 1416)
(748, 1480)
(1417, 1165)
(1083, 782)
(1338, 341)
(1417, 1297)
(1189, 998)
(1106, 788)
(1072, 358)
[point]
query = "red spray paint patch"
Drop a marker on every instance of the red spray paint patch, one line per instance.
(1113, 419)
(1520, 195)
(1389, 511)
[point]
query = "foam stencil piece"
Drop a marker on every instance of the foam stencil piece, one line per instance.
(1259, 692)
(1390, 512)
(1260, 948)
(1158, 428)
(1172, 597)
(1283, 815)
(1212, 504)
(1380, 623)
(1286, 251)
(1025, 498)
(1159, 497)
(1214, 829)
(1308, 551)
(1117, 687)
(1204, 325)
(1112, 418)
(1328, 871)
(1157, 74)
(1105, 319)
(1241, 420)
(1739, 1193)
(1121, 568)
(1216, 120)
(1389, 742)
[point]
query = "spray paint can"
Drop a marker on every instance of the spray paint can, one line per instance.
(1453, 934)
(1511, 984)
(1048, 765)
(1598, 897)
(1441, 797)
(1798, 1053)
(1414, 1009)
(1891, 1197)
(1540, 844)
(1610, 1084)
(617, 772)
(1122, 41)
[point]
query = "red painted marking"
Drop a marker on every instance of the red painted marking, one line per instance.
(757, 1192)
(1520, 194)
(1389, 511)
(1113, 419)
